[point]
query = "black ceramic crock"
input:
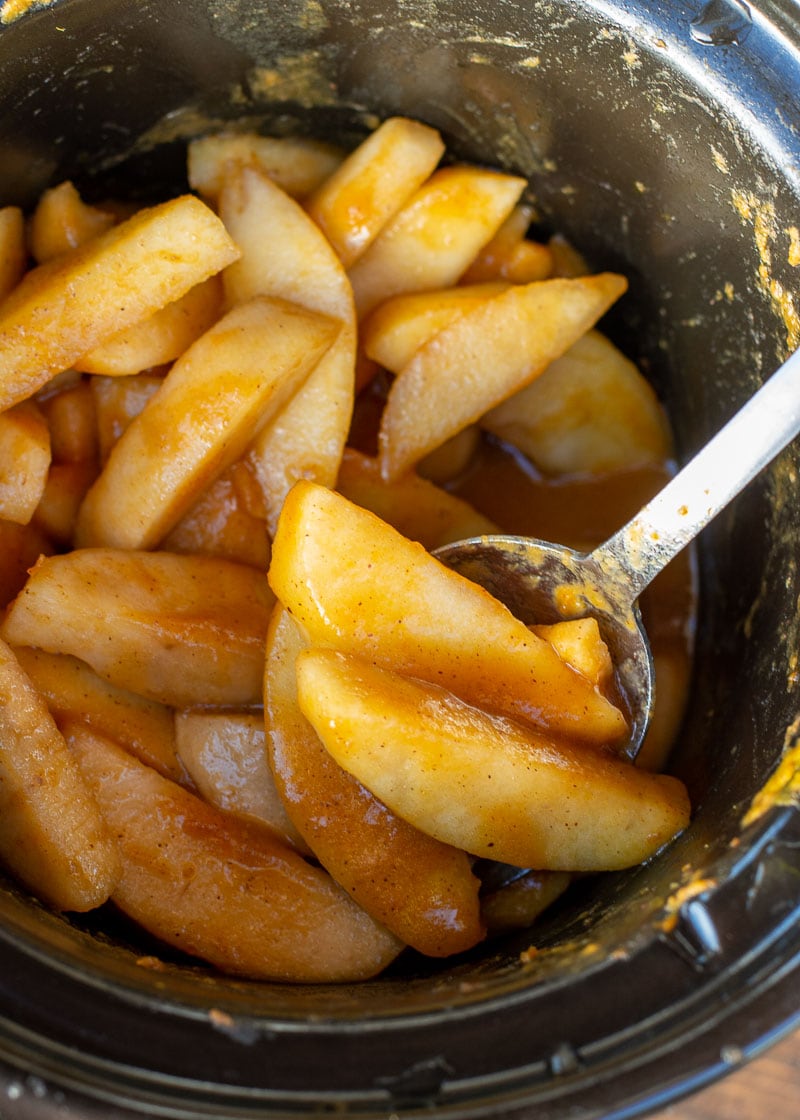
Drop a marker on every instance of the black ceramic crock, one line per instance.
(662, 139)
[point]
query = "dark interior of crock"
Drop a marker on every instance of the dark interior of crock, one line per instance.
(663, 157)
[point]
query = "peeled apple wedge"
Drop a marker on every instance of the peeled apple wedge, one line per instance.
(421, 889)
(161, 338)
(72, 421)
(181, 630)
(353, 583)
(63, 221)
(485, 783)
(66, 307)
(13, 250)
(52, 834)
(283, 254)
(591, 411)
(297, 164)
(295, 262)
(433, 239)
(578, 642)
(394, 332)
(117, 400)
(24, 461)
(510, 255)
(485, 356)
(73, 692)
(221, 524)
(225, 755)
(372, 183)
(212, 403)
(221, 889)
(66, 487)
(518, 904)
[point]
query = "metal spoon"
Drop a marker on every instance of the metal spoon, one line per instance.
(544, 582)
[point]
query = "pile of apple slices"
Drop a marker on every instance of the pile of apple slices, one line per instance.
(177, 496)
(455, 715)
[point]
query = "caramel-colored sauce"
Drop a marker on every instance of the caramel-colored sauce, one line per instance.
(582, 512)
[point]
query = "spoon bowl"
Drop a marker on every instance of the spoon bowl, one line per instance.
(541, 582)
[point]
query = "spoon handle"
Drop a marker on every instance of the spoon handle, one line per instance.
(743, 447)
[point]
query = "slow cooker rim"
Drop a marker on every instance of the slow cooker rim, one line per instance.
(697, 1020)
(788, 24)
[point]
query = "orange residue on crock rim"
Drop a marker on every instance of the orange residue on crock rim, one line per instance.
(761, 215)
(13, 9)
(783, 788)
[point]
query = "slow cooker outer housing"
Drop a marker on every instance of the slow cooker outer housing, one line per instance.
(659, 152)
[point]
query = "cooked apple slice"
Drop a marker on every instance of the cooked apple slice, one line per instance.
(182, 630)
(117, 400)
(52, 834)
(518, 905)
(212, 403)
(591, 411)
(452, 458)
(24, 461)
(293, 263)
(74, 692)
(353, 583)
(422, 890)
(66, 487)
(20, 548)
(510, 256)
(225, 754)
(72, 421)
(306, 438)
(62, 221)
(416, 507)
(488, 353)
(297, 164)
(485, 783)
(394, 332)
(567, 260)
(221, 524)
(66, 307)
(161, 338)
(578, 642)
(432, 240)
(13, 250)
(220, 888)
(372, 183)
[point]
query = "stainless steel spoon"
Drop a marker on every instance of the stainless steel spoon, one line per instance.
(544, 582)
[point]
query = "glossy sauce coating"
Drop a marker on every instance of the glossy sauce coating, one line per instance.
(581, 512)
